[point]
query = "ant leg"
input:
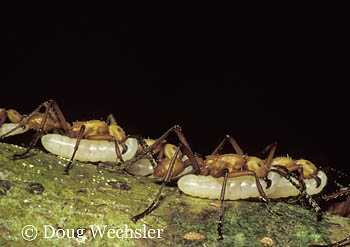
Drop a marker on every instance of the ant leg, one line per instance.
(62, 120)
(218, 148)
(301, 187)
(222, 197)
(268, 147)
(155, 201)
(117, 150)
(271, 154)
(111, 119)
(335, 195)
(185, 147)
(149, 149)
(233, 142)
(318, 181)
(187, 150)
(30, 147)
(79, 137)
(151, 156)
(235, 145)
(40, 130)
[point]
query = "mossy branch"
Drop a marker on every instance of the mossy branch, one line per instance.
(34, 191)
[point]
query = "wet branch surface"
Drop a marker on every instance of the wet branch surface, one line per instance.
(34, 191)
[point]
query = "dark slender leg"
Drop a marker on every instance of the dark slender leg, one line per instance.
(151, 156)
(261, 191)
(117, 151)
(268, 147)
(232, 141)
(318, 181)
(79, 137)
(221, 144)
(301, 187)
(222, 198)
(155, 201)
(235, 145)
(61, 118)
(185, 147)
(271, 154)
(37, 135)
(111, 119)
(335, 195)
(149, 149)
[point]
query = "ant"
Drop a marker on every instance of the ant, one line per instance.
(98, 140)
(235, 165)
(247, 176)
(158, 166)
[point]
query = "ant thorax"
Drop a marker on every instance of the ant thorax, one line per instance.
(92, 127)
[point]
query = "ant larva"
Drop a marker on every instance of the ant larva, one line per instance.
(92, 140)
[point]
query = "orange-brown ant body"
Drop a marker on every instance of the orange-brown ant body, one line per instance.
(53, 120)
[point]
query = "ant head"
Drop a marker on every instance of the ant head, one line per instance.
(258, 166)
(14, 116)
(309, 169)
(163, 166)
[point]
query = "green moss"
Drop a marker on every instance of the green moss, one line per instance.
(91, 196)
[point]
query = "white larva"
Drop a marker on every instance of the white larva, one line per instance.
(286, 189)
(236, 188)
(89, 150)
(6, 127)
(143, 167)
(245, 187)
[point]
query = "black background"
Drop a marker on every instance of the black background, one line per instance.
(260, 80)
